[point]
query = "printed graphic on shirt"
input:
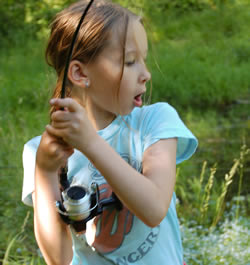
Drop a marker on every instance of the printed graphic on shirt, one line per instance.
(112, 226)
(142, 250)
(97, 176)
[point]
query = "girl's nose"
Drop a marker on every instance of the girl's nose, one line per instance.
(145, 75)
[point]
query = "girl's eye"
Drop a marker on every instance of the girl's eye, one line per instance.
(129, 63)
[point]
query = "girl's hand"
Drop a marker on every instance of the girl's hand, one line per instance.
(71, 124)
(52, 153)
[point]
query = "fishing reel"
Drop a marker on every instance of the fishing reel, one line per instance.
(80, 204)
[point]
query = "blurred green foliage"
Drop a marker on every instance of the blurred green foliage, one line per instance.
(32, 17)
(12, 17)
(201, 55)
(200, 62)
(26, 18)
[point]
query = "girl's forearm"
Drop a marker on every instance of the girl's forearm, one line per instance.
(139, 193)
(52, 234)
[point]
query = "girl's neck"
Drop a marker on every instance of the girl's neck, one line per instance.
(99, 118)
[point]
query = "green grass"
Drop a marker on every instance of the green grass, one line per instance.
(205, 61)
(204, 58)
(23, 114)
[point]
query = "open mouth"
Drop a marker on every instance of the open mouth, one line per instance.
(138, 100)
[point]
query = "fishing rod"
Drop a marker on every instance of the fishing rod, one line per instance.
(65, 76)
(80, 204)
(64, 170)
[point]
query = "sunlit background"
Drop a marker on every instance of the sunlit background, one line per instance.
(200, 62)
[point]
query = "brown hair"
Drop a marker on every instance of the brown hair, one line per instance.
(103, 19)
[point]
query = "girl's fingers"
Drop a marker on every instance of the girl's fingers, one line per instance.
(60, 125)
(68, 103)
(55, 132)
(69, 151)
(61, 145)
(61, 116)
(52, 152)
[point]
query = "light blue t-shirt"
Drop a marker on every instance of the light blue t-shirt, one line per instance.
(120, 237)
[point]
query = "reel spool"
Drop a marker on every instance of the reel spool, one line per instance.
(80, 204)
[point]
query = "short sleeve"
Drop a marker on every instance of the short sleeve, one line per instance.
(29, 161)
(162, 121)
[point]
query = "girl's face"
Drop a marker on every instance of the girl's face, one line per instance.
(103, 103)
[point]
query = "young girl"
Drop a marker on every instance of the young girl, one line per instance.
(106, 136)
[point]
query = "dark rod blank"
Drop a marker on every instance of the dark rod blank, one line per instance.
(63, 175)
(63, 92)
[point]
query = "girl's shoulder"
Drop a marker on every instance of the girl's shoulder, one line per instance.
(159, 106)
(160, 111)
(161, 121)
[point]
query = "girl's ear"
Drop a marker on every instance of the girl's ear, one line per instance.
(77, 74)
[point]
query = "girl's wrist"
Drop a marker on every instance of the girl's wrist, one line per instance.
(47, 181)
(45, 173)
(93, 146)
